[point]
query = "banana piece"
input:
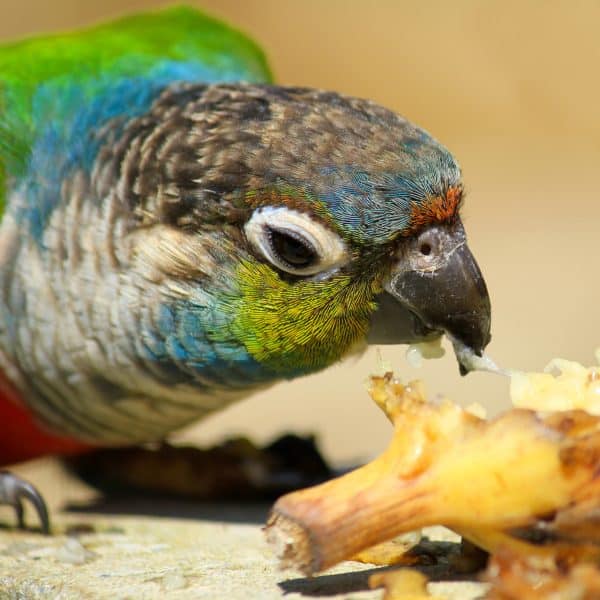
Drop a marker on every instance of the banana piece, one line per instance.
(524, 481)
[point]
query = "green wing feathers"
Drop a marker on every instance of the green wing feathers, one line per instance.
(35, 72)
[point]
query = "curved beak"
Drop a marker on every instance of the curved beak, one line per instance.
(440, 291)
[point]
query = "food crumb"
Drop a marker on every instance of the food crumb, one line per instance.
(174, 581)
(73, 552)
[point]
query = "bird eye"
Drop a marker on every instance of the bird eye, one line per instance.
(294, 241)
(291, 249)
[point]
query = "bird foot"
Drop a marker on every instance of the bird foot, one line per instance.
(13, 490)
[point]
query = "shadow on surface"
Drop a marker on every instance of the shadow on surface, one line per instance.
(357, 581)
(133, 505)
(330, 585)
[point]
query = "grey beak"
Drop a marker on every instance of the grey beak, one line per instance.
(445, 295)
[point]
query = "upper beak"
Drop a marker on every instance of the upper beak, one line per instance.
(435, 287)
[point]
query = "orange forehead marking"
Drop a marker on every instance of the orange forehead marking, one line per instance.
(437, 209)
(264, 197)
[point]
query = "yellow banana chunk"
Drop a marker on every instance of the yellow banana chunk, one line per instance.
(392, 552)
(519, 577)
(406, 584)
(564, 385)
(522, 481)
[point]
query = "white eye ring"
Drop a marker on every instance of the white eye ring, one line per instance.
(328, 249)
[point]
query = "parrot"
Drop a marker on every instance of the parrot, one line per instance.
(178, 232)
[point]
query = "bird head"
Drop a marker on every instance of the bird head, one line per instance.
(326, 221)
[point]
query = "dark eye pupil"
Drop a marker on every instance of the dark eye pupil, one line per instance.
(297, 253)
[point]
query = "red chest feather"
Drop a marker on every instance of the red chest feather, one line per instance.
(21, 438)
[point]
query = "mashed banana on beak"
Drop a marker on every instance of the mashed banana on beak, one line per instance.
(466, 356)
(424, 350)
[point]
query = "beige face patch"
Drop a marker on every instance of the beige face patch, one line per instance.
(165, 252)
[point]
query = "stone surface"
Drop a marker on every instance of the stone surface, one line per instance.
(151, 557)
(134, 548)
(157, 557)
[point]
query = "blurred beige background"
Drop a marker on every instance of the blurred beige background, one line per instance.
(513, 89)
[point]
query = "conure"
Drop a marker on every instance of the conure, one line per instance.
(177, 233)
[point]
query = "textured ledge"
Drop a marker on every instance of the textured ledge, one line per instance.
(161, 549)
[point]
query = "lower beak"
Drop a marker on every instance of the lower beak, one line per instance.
(451, 299)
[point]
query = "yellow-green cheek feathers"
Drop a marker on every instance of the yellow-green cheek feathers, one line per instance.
(304, 326)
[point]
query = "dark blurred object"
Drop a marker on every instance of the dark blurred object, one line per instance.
(237, 469)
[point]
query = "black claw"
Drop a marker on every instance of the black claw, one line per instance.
(18, 506)
(14, 489)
